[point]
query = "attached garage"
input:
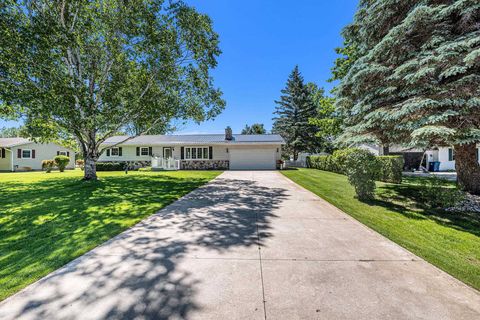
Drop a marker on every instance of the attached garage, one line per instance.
(252, 159)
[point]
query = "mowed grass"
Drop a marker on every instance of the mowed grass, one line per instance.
(450, 241)
(48, 219)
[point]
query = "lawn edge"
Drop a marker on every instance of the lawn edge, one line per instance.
(56, 271)
(385, 237)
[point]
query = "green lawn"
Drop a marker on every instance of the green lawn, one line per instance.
(449, 241)
(46, 220)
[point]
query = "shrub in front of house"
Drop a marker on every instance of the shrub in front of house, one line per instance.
(48, 165)
(388, 168)
(437, 193)
(110, 166)
(62, 162)
(361, 172)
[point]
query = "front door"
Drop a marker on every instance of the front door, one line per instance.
(167, 153)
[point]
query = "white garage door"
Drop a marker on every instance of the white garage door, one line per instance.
(252, 159)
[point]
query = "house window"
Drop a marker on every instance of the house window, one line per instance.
(196, 153)
(451, 154)
(114, 152)
(144, 151)
(26, 153)
(62, 153)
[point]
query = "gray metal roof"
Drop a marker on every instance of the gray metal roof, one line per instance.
(197, 139)
(12, 142)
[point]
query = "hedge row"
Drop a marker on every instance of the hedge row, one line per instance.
(110, 166)
(389, 168)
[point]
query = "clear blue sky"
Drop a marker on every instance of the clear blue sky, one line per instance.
(261, 41)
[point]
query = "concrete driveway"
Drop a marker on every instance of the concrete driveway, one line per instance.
(249, 245)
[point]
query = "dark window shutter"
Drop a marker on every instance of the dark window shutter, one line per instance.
(450, 154)
(68, 153)
(138, 151)
(33, 153)
(3, 152)
(58, 153)
(108, 152)
(210, 152)
(182, 153)
(19, 153)
(120, 151)
(150, 151)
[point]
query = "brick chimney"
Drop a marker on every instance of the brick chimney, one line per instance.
(228, 134)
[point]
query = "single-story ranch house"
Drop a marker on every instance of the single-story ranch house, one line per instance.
(200, 151)
(20, 154)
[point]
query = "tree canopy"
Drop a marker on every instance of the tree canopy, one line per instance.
(415, 75)
(93, 68)
(256, 128)
(293, 111)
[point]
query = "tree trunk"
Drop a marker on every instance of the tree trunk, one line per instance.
(467, 167)
(90, 170)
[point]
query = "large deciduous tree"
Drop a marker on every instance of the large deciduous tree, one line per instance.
(93, 68)
(415, 78)
(327, 120)
(293, 111)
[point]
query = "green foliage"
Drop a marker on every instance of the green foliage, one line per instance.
(256, 128)
(143, 62)
(327, 121)
(110, 166)
(390, 168)
(436, 193)
(416, 74)
(293, 111)
(48, 165)
(361, 172)
(13, 132)
(61, 162)
(387, 168)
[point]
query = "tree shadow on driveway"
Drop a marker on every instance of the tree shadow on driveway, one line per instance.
(150, 271)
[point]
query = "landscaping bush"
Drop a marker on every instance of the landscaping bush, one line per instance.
(437, 193)
(48, 165)
(390, 168)
(62, 162)
(81, 164)
(110, 166)
(361, 171)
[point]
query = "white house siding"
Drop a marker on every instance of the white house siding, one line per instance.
(220, 152)
(442, 155)
(43, 151)
(6, 163)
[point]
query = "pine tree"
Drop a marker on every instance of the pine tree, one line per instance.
(416, 78)
(293, 110)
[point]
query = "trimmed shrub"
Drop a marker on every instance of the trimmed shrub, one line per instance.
(390, 168)
(361, 172)
(110, 166)
(62, 162)
(436, 193)
(48, 165)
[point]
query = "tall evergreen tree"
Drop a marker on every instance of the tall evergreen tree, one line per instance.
(293, 110)
(416, 78)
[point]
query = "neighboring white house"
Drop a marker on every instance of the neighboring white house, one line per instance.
(446, 157)
(20, 154)
(201, 151)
